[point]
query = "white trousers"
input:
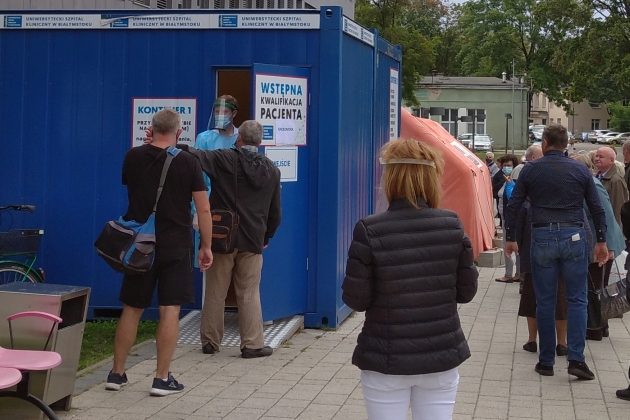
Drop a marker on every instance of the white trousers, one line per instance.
(431, 396)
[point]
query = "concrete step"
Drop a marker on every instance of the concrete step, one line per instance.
(491, 258)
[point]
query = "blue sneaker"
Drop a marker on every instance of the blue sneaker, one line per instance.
(162, 387)
(116, 381)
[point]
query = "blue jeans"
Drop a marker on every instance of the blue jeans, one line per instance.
(555, 251)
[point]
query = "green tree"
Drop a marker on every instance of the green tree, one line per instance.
(597, 58)
(410, 24)
(620, 116)
(530, 32)
(448, 43)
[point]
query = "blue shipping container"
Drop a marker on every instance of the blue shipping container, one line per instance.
(77, 90)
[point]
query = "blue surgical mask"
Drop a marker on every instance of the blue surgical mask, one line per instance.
(507, 170)
(222, 121)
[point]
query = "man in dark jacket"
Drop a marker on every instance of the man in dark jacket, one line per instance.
(249, 184)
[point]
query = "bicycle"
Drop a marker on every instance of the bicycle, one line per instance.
(23, 244)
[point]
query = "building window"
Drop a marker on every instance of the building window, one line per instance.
(544, 121)
(481, 125)
(559, 120)
(595, 105)
(449, 121)
(595, 124)
(280, 4)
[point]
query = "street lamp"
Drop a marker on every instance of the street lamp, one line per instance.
(473, 118)
(508, 117)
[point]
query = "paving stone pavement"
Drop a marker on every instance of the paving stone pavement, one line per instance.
(311, 376)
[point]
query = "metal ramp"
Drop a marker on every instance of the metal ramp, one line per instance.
(275, 334)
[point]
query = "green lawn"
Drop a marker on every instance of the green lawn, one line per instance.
(98, 340)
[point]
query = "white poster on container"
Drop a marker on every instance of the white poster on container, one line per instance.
(394, 106)
(285, 159)
(145, 108)
(281, 107)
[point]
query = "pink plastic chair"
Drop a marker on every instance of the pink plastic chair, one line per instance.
(16, 365)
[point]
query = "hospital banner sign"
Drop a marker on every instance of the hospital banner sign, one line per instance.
(160, 21)
(281, 108)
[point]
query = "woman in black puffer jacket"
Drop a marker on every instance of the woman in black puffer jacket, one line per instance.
(408, 268)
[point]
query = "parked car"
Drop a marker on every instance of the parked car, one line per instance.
(620, 138)
(593, 135)
(536, 132)
(607, 138)
(482, 141)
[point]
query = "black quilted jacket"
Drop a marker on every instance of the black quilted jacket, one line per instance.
(407, 269)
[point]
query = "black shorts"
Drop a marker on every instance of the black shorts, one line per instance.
(172, 273)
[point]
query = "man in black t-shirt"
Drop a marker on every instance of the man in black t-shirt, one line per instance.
(172, 270)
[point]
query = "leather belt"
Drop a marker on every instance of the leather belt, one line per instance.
(557, 225)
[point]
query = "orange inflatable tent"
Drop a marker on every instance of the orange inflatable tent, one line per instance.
(466, 186)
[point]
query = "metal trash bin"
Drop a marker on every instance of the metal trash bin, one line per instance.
(54, 387)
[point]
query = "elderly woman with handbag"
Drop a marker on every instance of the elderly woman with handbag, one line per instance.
(408, 268)
(599, 275)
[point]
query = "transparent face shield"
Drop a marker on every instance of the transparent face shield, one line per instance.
(222, 114)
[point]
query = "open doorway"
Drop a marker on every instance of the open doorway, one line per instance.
(237, 82)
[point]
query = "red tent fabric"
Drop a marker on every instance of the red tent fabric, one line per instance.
(466, 186)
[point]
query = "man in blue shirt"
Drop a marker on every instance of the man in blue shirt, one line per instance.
(557, 187)
(221, 132)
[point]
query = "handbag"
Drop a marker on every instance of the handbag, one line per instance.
(225, 224)
(613, 298)
(594, 320)
(128, 246)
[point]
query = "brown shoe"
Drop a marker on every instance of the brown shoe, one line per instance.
(530, 346)
(208, 349)
(505, 279)
(252, 353)
(562, 350)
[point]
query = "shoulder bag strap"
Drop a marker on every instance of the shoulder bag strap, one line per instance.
(171, 152)
(236, 182)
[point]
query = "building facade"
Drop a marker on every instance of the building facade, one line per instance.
(582, 117)
(503, 102)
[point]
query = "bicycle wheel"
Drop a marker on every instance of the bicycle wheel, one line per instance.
(11, 272)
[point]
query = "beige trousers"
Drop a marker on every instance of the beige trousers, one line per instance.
(243, 268)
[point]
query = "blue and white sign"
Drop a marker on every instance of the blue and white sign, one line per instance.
(160, 21)
(357, 31)
(394, 105)
(285, 159)
(145, 108)
(281, 102)
(228, 21)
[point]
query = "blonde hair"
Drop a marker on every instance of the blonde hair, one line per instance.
(585, 159)
(411, 181)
